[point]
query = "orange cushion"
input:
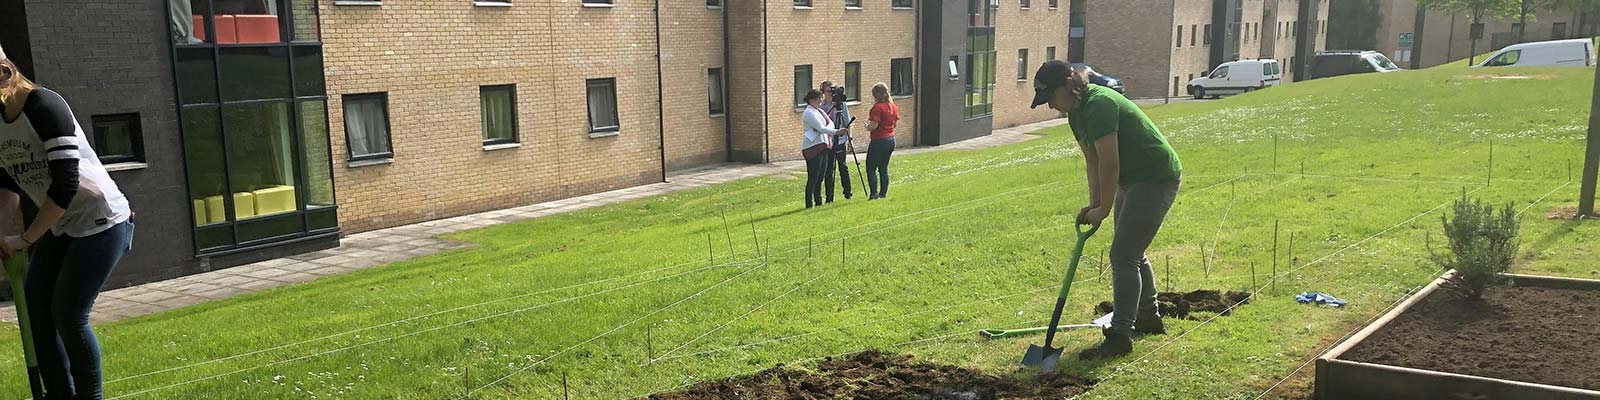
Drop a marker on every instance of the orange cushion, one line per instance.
(226, 30)
(199, 27)
(257, 28)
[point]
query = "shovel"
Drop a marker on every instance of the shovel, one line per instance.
(15, 266)
(1045, 358)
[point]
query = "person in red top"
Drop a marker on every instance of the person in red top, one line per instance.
(880, 121)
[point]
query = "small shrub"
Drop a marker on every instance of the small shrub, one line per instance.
(1482, 245)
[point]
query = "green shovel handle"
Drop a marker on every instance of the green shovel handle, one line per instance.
(16, 268)
(1077, 253)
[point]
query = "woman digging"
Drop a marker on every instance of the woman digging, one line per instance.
(1133, 172)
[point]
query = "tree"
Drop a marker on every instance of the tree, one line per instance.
(1525, 7)
(1353, 24)
(1477, 10)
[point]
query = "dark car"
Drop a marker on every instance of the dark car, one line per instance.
(1098, 78)
(1346, 62)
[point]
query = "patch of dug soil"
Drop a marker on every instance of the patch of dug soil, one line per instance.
(874, 375)
(1562, 213)
(1527, 333)
(1182, 305)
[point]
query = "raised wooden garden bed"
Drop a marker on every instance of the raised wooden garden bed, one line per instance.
(1537, 339)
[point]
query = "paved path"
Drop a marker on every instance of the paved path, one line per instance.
(380, 247)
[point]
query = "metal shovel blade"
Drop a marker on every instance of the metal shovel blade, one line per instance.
(1043, 358)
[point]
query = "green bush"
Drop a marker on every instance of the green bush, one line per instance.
(1482, 245)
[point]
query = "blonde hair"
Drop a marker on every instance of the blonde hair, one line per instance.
(1077, 84)
(14, 85)
(881, 91)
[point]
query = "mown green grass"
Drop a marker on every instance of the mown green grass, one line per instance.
(968, 240)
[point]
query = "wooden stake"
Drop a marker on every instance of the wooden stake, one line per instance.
(1253, 287)
(1169, 274)
(1291, 250)
(649, 345)
(711, 251)
(1302, 168)
(729, 233)
(1490, 176)
(842, 253)
(466, 380)
(1274, 255)
(1274, 152)
(809, 244)
(566, 392)
(753, 237)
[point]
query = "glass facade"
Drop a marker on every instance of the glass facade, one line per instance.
(253, 106)
(980, 58)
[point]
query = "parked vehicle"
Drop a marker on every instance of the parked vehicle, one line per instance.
(1098, 78)
(1562, 53)
(1235, 77)
(1347, 62)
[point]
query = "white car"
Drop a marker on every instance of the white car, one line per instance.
(1565, 53)
(1235, 77)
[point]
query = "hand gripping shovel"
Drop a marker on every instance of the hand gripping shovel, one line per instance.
(15, 266)
(1045, 358)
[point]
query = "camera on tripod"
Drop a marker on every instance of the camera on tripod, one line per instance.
(838, 95)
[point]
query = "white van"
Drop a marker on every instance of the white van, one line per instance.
(1235, 77)
(1564, 53)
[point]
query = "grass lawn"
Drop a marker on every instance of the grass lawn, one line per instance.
(968, 240)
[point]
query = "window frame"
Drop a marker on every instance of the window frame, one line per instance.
(1055, 4)
(1022, 65)
(713, 3)
(135, 137)
(616, 114)
(1026, 4)
(1049, 53)
(1179, 40)
(902, 4)
(852, 4)
(910, 81)
(599, 3)
(852, 87)
(799, 89)
(516, 135)
(388, 126)
(719, 107)
(803, 4)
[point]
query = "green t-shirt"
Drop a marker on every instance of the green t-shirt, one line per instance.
(1144, 153)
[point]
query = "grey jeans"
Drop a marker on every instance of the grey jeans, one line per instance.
(1140, 209)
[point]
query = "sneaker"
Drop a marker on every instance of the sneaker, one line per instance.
(1149, 324)
(1115, 345)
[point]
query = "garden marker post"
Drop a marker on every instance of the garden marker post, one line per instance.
(1490, 176)
(566, 392)
(1274, 152)
(1591, 154)
(711, 251)
(1274, 255)
(729, 233)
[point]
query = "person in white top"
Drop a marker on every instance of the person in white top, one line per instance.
(819, 128)
(83, 228)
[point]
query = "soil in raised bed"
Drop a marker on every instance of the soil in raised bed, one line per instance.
(874, 375)
(1184, 305)
(1528, 333)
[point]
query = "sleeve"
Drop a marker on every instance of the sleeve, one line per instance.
(1097, 119)
(813, 120)
(52, 120)
(876, 115)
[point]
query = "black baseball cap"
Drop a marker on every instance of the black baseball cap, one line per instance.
(1051, 76)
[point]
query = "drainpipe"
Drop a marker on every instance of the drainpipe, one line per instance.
(727, 61)
(1173, 21)
(766, 97)
(661, 107)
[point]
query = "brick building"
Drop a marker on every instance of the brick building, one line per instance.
(1445, 37)
(232, 124)
(1204, 34)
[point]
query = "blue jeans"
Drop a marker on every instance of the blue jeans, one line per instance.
(816, 172)
(878, 166)
(64, 277)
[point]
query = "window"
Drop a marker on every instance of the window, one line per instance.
(1246, 33)
(802, 84)
(1055, 3)
(117, 138)
(499, 114)
(1174, 86)
(1049, 53)
(1207, 37)
(366, 126)
(852, 81)
(1193, 31)
(491, 2)
(236, 22)
(981, 62)
(900, 3)
(1022, 64)
(714, 89)
(713, 3)
(900, 81)
(603, 105)
(1558, 30)
(1180, 36)
(852, 3)
(1506, 58)
(1220, 73)
(1026, 4)
(802, 3)
(597, 2)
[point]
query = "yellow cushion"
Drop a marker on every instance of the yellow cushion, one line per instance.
(215, 211)
(274, 200)
(200, 212)
(244, 205)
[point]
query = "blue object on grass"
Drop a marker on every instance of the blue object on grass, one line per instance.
(1319, 298)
